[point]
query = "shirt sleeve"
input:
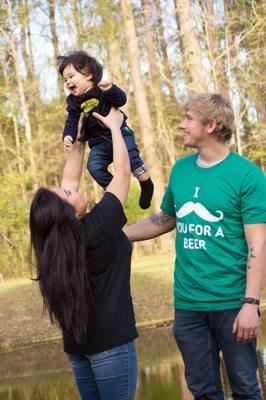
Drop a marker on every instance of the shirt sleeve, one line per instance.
(108, 216)
(71, 125)
(115, 96)
(253, 197)
(168, 204)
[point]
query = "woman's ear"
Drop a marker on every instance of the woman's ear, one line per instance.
(88, 77)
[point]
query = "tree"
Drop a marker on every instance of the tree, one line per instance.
(23, 104)
(165, 139)
(213, 36)
(195, 74)
(140, 95)
(55, 42)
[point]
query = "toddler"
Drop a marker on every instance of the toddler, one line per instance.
(88, 93)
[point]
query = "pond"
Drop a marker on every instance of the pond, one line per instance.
(42, 372)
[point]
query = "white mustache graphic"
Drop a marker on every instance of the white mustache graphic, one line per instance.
(200, 210)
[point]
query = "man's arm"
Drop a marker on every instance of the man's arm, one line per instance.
(150, 227)
(247, 321)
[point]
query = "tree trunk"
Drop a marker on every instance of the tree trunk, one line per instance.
(31, 92)
(217, 65)
(28, 32)
(14, 119)
(192, 52)
(163, 49)
(261, 112)
(77, 16)
(155, 86)
(26, 41)
(115, 61)
(231, 80)
(23, 103)
(143, 111)
(55, 44)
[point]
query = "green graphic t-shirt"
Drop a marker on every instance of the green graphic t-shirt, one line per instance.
(211, 205)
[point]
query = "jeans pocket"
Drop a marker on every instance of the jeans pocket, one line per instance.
(109, 353)
(74, 358)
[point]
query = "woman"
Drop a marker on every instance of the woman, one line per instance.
(83, 268)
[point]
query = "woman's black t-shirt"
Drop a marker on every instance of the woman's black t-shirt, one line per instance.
(112, 320)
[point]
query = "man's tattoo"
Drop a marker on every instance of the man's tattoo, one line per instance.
(250, 255)
(159, 220)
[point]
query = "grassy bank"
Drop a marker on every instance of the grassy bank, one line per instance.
(21, 317)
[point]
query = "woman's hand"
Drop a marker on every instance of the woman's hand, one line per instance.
(113, 120)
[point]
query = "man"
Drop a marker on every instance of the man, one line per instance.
(217, 201)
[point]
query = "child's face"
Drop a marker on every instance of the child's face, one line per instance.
(76, 82)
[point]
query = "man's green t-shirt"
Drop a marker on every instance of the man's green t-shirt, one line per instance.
(211, 205)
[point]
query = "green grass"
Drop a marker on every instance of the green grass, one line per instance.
(21, 303)
(21, 317)
(152, 289)
(13, 284)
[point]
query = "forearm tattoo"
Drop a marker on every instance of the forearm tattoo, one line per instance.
(160, 219)
(250, 255)
(80, 146)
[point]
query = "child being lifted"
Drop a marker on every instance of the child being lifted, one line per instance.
(88, 93)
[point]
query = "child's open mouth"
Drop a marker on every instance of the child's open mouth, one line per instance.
(73, 89)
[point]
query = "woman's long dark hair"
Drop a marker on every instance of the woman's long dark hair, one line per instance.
(59, 243)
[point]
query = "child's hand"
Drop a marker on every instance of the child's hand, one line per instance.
(105, 85)
(68, 142)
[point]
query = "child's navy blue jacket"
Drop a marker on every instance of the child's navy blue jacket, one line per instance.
(93, 100)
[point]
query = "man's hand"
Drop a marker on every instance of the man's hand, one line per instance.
(68, 142)
(246, 323)
(105, 85)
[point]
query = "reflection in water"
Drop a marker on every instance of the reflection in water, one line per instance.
(42, 372)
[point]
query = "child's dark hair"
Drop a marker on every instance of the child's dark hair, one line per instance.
(83, 63)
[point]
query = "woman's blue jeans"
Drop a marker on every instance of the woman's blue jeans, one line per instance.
(200, 337)
(110, 375)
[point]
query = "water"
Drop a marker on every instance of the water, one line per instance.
(42, 372)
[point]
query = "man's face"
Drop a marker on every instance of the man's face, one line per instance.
(76, 82)
(195, 132)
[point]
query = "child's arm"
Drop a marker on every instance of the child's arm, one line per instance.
(68, 142)
(113, 94)
(71, 125)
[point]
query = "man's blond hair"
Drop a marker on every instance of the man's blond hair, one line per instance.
(213, 106)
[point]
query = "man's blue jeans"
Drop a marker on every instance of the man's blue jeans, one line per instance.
(200, 337)
(109, 375)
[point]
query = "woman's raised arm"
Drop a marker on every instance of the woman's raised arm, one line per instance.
(119, 185)
(73, 168)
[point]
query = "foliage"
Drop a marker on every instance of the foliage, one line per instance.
(14, 225)
(230, 35)
(132, 208)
